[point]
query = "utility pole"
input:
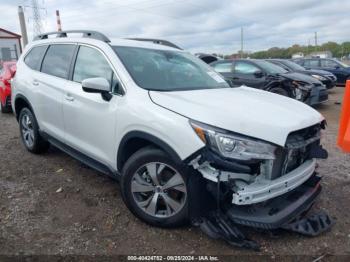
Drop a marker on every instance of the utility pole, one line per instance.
(242, 42)
(58, 19)
(22, 23)
(316, 41)
(37, 24)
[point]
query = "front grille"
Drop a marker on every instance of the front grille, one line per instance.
(331, 77)
(295, 152)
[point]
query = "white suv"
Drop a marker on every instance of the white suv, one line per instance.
(170, 129)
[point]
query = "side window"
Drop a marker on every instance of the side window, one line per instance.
(328, 64)
(311, 63)
(33, 58)
(57, 60)
(91, 63)
(223, 67)
(245, 68)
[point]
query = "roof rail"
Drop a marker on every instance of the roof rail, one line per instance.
(156, 41)
(86, 33)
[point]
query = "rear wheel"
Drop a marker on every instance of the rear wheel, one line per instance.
(154, 188)
(29, 130)
(5, 108)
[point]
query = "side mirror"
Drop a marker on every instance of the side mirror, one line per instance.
(258, 74)
(97, 85)
(337, 67)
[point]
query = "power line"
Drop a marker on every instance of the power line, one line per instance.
(37, 24)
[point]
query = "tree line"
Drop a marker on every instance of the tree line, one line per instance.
(338, 51)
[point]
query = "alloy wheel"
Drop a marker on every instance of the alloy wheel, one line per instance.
(159, 190)
(27, 130)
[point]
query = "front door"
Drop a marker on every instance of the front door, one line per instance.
(246, 73)
(90, 120)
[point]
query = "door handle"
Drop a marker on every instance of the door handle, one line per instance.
(68, 97)
(35, 83)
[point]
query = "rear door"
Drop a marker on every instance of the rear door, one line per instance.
(246, 73)
(333, 67)
(312, 64)
(50, 87)
(90, 120)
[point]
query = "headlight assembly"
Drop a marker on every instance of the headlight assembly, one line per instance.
(318, 77)
(302, 90)
(233, 145)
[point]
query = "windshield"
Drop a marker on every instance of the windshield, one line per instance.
(292, 65)
(343, 64)
(167, 70)
(270, 67)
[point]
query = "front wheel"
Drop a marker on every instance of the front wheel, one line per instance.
(154, 188)
(279, 91)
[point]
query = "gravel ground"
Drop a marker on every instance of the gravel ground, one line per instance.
(53, 205)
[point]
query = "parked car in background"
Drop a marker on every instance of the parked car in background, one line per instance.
(6, 74)
(339, 69)
(327, 78)
(270, 77)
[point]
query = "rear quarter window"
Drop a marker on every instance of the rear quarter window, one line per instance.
(34, 57)
(57, 60)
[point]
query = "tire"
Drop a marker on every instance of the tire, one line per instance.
(279, 91)
(5, 109)
(29, 131)
(155, 204)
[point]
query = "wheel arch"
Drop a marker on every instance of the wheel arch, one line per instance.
(20, 102)
(135, 140)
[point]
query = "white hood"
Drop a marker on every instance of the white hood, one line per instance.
(243, 110)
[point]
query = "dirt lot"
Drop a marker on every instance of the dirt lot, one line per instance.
(88, 216)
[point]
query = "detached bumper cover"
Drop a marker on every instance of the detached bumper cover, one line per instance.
(279, 211)
(286, 212)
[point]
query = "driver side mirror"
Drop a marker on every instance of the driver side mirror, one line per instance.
(258, 74)
(97, 85)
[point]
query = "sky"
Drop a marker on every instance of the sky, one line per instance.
(207, 26)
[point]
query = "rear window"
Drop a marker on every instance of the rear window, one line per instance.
(311, 63)
(57, 60)
(33, 58)
(223, 67)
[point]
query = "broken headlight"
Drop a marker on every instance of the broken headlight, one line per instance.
(231, 145)
(302, 90)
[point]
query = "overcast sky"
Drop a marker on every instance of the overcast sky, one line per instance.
(197, 25)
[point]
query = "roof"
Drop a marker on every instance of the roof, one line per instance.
(114, 42)
(11, 34)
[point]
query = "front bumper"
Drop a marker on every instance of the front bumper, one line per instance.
(318, 95)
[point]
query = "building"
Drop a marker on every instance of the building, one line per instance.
(298, 55)
(10, 45)
(321, 54)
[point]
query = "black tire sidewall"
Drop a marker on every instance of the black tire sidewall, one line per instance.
(139, 159)
(4, 108)
(281, 91)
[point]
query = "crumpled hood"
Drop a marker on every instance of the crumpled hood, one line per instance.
(301, 77)
(243, 110)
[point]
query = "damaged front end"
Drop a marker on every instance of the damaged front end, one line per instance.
(253, 183)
